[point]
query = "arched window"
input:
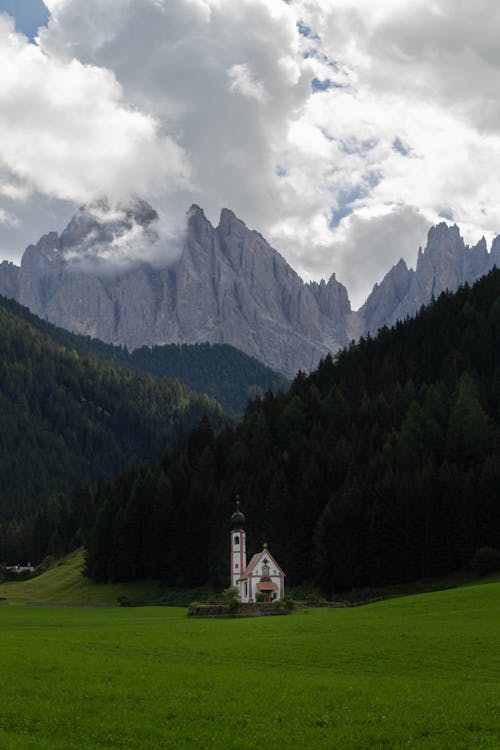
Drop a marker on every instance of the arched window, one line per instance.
(236, 540)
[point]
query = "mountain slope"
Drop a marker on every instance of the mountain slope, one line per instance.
(66, 418)
(218, 370)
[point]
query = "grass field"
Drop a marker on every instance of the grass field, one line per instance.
(417, 672)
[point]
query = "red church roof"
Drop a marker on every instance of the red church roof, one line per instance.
(256, 558)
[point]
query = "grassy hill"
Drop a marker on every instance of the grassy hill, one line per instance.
(65, 584)
(418, 672)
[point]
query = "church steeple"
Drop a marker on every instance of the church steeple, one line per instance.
(238, 560)
(237, 519)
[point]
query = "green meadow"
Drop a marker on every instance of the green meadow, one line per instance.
(415, 672)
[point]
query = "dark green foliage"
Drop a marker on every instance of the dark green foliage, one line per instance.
(218, 370)
(382, 466)
(486, 560)
(67, 419)
(232, 598)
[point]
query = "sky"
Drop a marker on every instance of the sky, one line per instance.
(340, 129)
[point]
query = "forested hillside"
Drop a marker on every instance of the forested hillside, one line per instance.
(68, 419)
(219, 370)
(380, 467)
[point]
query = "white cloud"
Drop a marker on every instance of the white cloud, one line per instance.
(243, 82)
(112, 236)
(366, 244)
(66, 132)
(7, 218)
(211, 101)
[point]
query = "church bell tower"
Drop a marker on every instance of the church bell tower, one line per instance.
(238, 545)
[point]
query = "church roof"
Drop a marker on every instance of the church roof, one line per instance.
(256, 559)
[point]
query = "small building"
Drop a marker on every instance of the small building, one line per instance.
(28, 568)
(262, 575)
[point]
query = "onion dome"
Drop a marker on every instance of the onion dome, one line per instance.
(237, 519)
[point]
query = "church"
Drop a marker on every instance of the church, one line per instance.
(262, 575)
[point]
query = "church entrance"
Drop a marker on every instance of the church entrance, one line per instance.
(266, 588)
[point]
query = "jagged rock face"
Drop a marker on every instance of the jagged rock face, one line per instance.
(9, 279)
(227, 286)
(446, 264)
(230, 286)
(386, 298)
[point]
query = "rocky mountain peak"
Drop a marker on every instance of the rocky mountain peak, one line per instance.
(47, 249)
(228, 286)
(444, 243)
(386, 298)
(331, 297)
(495, 252)
(445, 264)
(481, 246)
(198, 226)
(228, 220)
(442, 231)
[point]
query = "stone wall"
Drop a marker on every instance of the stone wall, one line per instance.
(201, 609)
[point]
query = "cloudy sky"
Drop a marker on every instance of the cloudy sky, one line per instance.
(340, 129)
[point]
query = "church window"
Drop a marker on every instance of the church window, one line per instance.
(236, 540)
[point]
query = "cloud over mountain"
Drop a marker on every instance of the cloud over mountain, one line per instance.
(315, 121)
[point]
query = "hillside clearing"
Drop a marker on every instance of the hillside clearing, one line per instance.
(65, 584)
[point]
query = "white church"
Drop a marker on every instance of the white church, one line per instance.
(262, 575)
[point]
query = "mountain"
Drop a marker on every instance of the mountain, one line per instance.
(66, 418)
(445, 264)
(228, 285)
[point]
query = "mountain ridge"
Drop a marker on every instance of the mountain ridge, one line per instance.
(227, 286)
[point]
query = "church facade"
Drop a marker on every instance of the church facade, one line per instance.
(261, 579)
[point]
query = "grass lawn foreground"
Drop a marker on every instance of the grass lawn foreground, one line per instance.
(414, 672)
